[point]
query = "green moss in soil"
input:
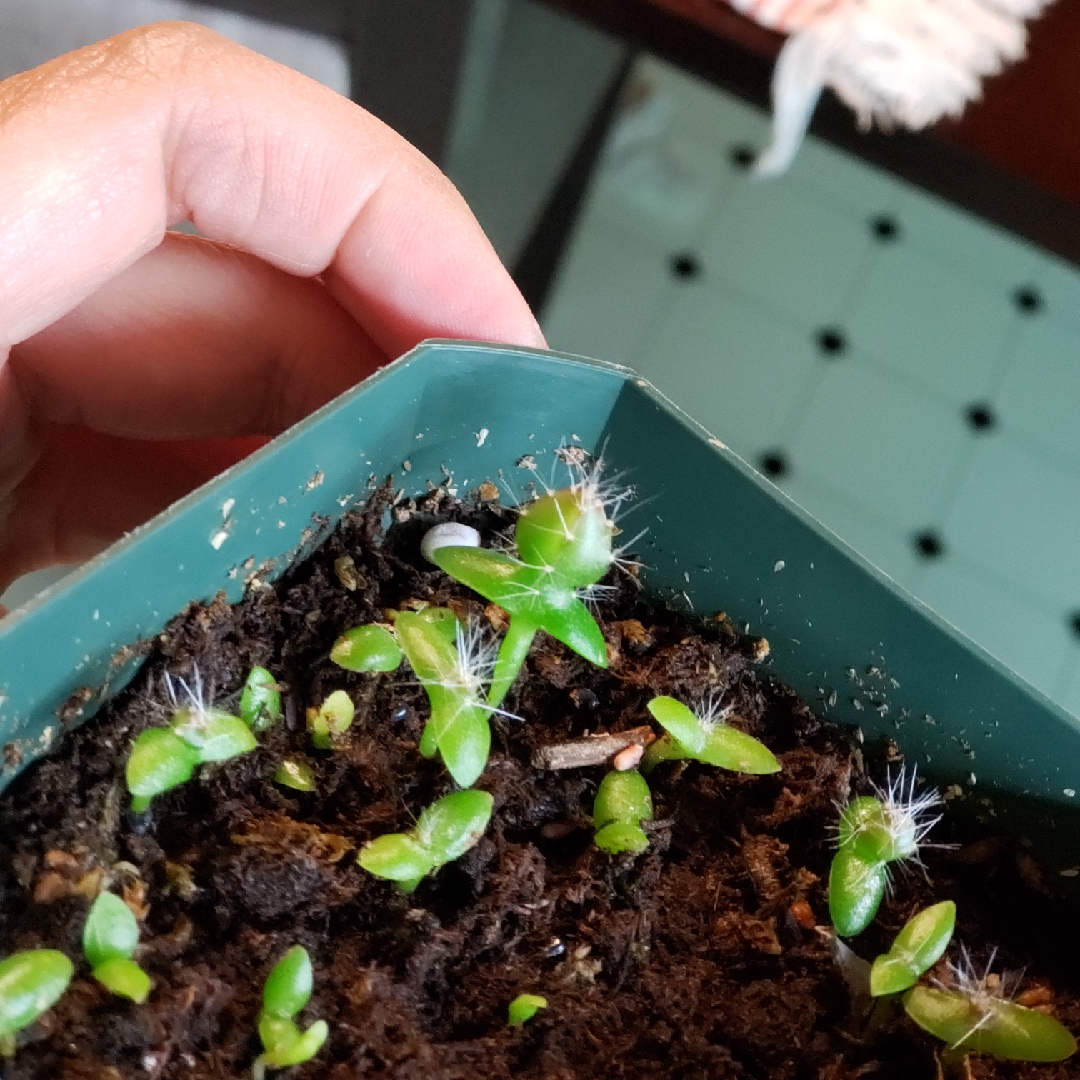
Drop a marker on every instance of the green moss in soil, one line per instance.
(690, 960)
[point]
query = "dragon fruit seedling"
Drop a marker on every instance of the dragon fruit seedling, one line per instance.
(444, 832)
(31, 983)
(623, 802)
(915, 950)
(873, 832)
(704, 736)
(562, 547)
(974, 1012)
(109, 939)
(286, 992)
(452, 662)
(164, 758)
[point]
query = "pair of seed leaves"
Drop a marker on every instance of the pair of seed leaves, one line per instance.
(286, 991)
(164, 758)
(687, 735)
(967, 1022)
(432, 640)
(623, 801)
(444, 832)
(33, 981)
(109, 940)
(563, 545)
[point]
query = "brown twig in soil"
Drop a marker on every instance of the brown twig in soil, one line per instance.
(591, 750)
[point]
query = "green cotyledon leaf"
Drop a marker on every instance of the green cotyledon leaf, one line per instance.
(917, 948)
(160, 760)
(367, 648)
(461, 732)
(856, 889)
(622, 796)
(30, 983)
(679, 722)
(397, 857)
(732, 749)
(987, 1025)
(490, 573)
(430, 654)
(111, 930)
(453, 824)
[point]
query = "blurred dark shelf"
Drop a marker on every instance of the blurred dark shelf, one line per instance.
(328, 17)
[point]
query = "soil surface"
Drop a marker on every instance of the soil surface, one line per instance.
(698, 959)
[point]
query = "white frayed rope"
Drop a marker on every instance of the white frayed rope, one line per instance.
(907, 62)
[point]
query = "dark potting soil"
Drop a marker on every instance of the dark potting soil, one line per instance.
(698, 959)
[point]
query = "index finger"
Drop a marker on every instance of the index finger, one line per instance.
(103, 148)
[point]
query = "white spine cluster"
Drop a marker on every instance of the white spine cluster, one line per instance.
(909, 811)
(190, 697)
(981, 986)
(476, 654)
(711, 714)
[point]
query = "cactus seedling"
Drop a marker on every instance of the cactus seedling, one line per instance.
(443, 833)
(623, 802)
(286, 992)
(524, 1007)
(333, 717)
(917, 948)
(703, 736)
(260, 700)
(164, 758)
(874, 831)
(563, 548)
(452, 662)
(977, 1015)
(109, 939)
(30, 983)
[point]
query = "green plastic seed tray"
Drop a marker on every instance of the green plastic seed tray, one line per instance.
(719, 538)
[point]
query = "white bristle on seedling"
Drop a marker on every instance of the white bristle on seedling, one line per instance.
(906, 809)
(711, 714)
(981, 986)
(476, 654)
(190, 696)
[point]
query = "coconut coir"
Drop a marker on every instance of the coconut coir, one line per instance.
(698, 959)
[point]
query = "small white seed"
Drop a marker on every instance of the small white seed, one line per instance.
(448, 534)
(628, 758)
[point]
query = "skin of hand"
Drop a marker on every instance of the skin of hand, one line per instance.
(136, 363)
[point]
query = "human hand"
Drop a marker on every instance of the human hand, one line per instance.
(140, 363)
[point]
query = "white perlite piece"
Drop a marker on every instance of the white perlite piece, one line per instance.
(449, 534)
(907, 62)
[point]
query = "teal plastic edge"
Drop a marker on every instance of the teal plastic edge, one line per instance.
(79, 643)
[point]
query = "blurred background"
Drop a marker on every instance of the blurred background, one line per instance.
(890, 332)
